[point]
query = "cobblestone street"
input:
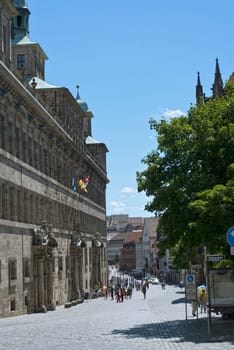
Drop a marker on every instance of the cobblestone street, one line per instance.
(158, 322)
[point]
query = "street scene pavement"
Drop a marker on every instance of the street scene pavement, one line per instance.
(157, 322)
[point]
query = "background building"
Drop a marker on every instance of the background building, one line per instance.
(52, 180)
(133, 239)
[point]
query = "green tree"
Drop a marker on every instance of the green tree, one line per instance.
(189, 177)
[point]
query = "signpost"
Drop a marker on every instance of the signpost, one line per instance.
(190, 288)
(230, 236)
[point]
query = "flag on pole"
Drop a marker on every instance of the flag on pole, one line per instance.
(83, 183)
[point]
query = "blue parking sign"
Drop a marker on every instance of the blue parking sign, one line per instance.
(230, 236)
(190, 278)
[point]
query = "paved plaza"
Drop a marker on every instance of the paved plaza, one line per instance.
(156, 323)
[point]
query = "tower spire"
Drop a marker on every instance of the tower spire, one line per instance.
(217, 87)
(199, 90)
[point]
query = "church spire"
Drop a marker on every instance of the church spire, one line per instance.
(199, 90)
(218, 82)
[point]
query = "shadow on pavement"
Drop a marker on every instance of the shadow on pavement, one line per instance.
(178, 301)
(180, 331)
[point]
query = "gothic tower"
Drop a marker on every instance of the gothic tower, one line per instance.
(199, 90)
(217, 88)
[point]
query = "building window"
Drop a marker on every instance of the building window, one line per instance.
(20, 61)
(68, 264)
(26, 267)
(13, 269)
(26, 300)
(60, 263)
(12, 305)
(19, 21)
(4, 39)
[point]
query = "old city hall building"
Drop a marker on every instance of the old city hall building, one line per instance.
(52, 181)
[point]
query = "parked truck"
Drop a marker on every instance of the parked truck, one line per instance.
(221, 292)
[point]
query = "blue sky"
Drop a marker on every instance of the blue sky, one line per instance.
(134, 60)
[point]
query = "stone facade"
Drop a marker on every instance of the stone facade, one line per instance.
(52, 235)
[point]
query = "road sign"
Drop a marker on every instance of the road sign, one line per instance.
(190, 279)
(230, 236)
(232, 250)
(215, 258)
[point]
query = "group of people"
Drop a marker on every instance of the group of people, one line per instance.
(123, 289)
(118, 292)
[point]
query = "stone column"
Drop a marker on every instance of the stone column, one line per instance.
(36, 155)
(50, 281)
(35, 286)
(25, 146)
(41, 296)
(81, 273)
(5, 201)
(18, 141)
(42, 159)
(76, 291)
(6, 139)
(13, 203)
(20, 208)
(26, 207)
(2, 132)
(30, 150)
(12, 138)
(33, 209)
(0, 201)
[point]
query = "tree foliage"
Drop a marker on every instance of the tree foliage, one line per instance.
(189, 177)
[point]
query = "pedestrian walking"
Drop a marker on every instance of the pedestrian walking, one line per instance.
(143, 289)
(202, 301)
(106, 292)
(129, 292)
(112, 292)
(122, 294)
(118, 295)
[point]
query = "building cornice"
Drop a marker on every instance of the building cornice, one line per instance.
(26, 98)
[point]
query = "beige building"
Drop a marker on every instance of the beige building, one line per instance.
(52, 180)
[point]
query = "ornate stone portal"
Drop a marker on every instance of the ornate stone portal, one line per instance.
(44, 251)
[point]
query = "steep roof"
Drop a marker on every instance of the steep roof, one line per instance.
(120, 236)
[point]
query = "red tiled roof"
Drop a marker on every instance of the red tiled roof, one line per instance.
(135, 236)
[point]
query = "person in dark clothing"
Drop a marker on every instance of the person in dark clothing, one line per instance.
(143, 289)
